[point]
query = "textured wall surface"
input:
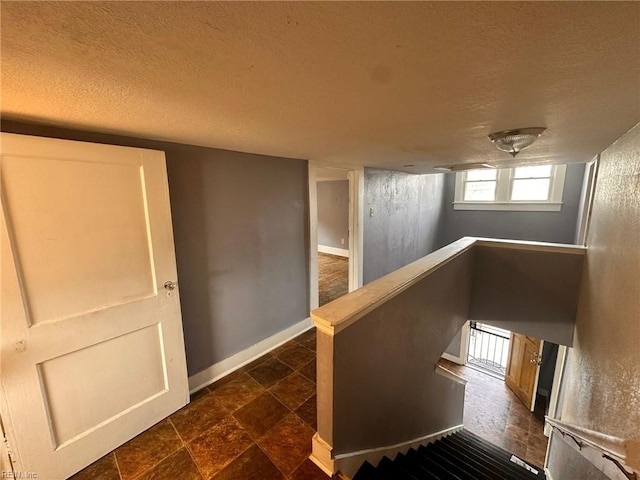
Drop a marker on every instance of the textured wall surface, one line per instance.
(404, 224)
(333, 214)
(602, 387)
(385, 388)
(556, 227)
(566, 463)
(527, 292)
(240, 228)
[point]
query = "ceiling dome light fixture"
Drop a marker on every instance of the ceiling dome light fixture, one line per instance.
(512, 141)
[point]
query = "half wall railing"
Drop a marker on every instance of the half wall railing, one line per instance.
(378, 389)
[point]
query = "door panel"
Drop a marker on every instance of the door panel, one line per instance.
(523, 367)
(92, 346)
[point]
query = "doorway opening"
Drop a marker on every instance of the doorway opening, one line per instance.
(335, 231)
(332, 187)
(488, 349)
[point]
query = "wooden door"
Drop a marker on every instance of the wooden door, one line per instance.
(92, 347)
(523, 367)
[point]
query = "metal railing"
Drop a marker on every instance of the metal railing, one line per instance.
(488, 348)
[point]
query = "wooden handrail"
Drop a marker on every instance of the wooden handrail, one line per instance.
(339, 314)
(617, 450)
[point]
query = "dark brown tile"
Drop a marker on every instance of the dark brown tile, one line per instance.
(270, 372)
(251, 465)
(198, 417)
(288, 444)
(297, 356)
(516, 433)
(285, 346)
(294, 390)
(261, 414)
(103, 469)
(199, 394)
(219, 446)
(237, 392)
(308, 339)
(147, 449)
(308, 471)
(514, 446)
(309, 371)
(308, 412)
(179, 465)
(257, 361)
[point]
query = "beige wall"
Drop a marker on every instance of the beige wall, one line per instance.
(602, 388)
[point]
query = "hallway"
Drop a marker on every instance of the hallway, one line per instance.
(492, 411)
(257, 424)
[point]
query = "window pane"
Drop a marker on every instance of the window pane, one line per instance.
(533, 172)
(480, 191)
(530, 189)
(482, 174)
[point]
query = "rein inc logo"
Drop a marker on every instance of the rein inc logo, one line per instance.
(17, 474)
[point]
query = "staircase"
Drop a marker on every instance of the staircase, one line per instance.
(460, 456)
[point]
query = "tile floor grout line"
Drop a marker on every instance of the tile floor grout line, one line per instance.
(115, 459)
(186, 447)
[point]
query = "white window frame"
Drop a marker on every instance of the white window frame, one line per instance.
(503, 200)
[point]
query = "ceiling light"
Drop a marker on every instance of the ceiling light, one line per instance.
(512, 141)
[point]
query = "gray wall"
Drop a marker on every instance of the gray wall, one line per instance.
(565, 462)
(404, 225)
(602, 379)
(557, 227)
(333, 213)
(528, 292)
(241, 232)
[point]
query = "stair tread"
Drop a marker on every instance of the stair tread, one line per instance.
(460, 456)
(501, 453)
(512, 470)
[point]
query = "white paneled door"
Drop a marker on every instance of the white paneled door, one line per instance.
(92, 347)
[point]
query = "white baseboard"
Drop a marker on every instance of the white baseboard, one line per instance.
(341, 252)
(248, 355)
(548, 474)
(349, 463)
(452, 358)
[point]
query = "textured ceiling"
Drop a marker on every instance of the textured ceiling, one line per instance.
(369, 83)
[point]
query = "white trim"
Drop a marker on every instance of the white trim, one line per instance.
(547, 474)
(555, 405)
(248, 355)
(341, 252)
(314, 294)
(503, 202)
(446, 373)
(464, 347)
(510, 206)
(349, 463)
(356, 221)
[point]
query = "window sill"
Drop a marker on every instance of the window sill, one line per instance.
(509, 206)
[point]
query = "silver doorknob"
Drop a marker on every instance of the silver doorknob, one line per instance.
(169, 285)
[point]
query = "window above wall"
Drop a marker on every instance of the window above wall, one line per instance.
(526, 188)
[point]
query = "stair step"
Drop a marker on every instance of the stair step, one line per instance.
(510, 469)
(414, 468)
(485, 468)
(431, 465)
(499, 453)
(460, 456)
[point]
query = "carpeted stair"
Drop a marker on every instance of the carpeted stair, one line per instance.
(460, 456)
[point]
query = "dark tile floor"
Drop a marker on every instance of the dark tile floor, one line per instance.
(492, 411)
(257, 424)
